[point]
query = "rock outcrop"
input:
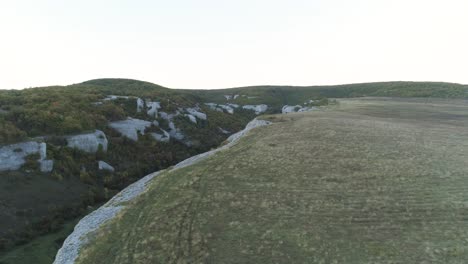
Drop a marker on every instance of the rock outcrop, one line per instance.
(195, 112)
(220, 107)
(153, 108)
(13, 156)
(140, 105)
(191, 118)
(164, 137)
(89, 142)
(296, 108)
(257, 108)
(131, 127)
(105, 166)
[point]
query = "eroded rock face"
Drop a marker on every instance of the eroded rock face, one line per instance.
(115, 97)
(191, 118)
(224, 131)
(228, 109)
(131, 127)
(13, 156)
(140, 105)
(196, 113)
(105, 166)
(257, 108)
(290, 109)
(46, 165)
(88, 142)
(164, 137)
(220, 107)
(296, 108)
(153, 108)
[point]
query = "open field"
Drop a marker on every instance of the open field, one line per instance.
(369, 181)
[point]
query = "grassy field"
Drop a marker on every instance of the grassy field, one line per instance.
(368, 181)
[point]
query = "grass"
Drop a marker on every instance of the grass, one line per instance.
(369, 181)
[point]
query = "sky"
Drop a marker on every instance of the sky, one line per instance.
(206, 44)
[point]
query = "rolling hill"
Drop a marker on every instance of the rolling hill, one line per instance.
(66, 148)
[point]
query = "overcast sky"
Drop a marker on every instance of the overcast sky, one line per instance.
(220, 44)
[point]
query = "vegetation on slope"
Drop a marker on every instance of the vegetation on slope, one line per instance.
(358, 184)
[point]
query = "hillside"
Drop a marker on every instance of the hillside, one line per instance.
(368, 181)
(64, 149)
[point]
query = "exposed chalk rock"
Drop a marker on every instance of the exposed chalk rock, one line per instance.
(235, 96)
(196, 113)
(211, 105)
(46, 165)
(233, 105)
(140, 105)
(220, 108)
(257, 108)
(175, 132)
(307, 109)
(164, 115)
(131, 127)
(115, 97)
(105, 166)
(165, 137)
(224, 131)
(296, 108)
(228, 109)
(228, 97)
(192, 118)
(12, 157)
(153, 108)
(88, 142)
(290, 109)
(43, 151)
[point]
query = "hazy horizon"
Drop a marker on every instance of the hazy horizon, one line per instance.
(211, 44)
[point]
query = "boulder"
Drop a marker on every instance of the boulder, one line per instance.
(191, 118)
(105, 166)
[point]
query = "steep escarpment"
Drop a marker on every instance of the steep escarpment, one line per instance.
(360, 183)
(85, 228)
(65, 148)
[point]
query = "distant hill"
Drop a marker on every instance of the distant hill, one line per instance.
(63, 148)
